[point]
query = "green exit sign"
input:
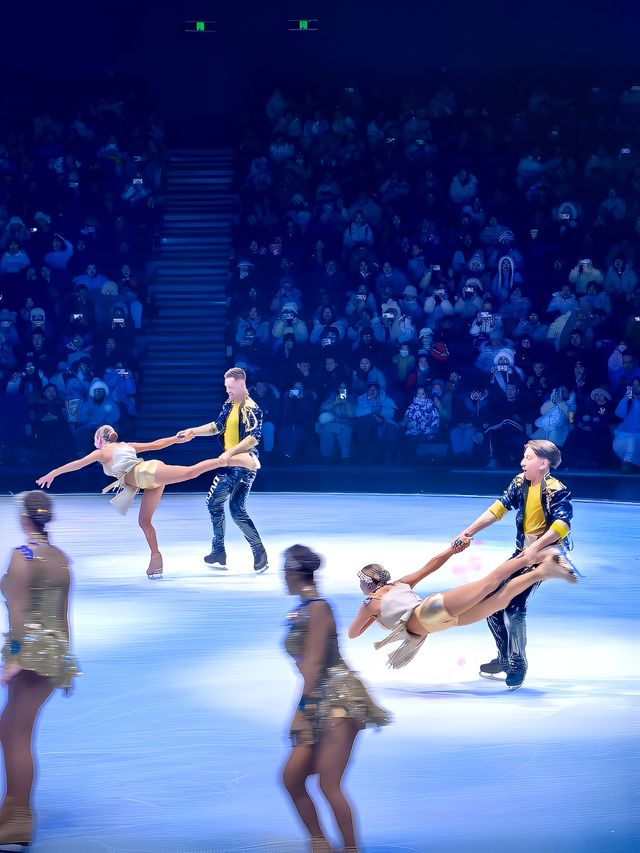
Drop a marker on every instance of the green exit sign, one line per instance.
(302, 25)
(199, 26)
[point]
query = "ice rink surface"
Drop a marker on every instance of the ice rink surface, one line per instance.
(177, 731)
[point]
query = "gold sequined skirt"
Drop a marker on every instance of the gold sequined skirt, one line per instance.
(45, 651)
(341, 695)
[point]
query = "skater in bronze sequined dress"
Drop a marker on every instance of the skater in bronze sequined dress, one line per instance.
(334, 707)
(36, 658)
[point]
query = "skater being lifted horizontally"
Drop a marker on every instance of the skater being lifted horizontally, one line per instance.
(120, 459)
(395, 605)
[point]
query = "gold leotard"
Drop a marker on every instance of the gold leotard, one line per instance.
(144, 474)
(434, 616)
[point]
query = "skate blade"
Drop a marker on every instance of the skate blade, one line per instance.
(575, 571)
(490, 676)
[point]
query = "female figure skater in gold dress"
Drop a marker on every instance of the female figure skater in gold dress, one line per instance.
(334, 707)
(35, 657)
(120, 459)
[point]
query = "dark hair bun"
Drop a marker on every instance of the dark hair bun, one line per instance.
(308, 561)
(38, 507)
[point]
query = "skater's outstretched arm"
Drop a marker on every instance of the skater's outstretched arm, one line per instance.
(205, 430)
(482, 521)
(76, 465)
(435, 563)
(161, 443)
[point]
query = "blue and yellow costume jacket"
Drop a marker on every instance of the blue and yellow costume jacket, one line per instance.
(556, 506)
(249, 421)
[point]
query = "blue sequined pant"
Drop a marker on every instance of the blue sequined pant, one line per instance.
(232, 484)
(509, 629)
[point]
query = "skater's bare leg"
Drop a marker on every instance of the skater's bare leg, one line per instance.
(150, 501)
(168, 474)
(459, 600)
(552, 566)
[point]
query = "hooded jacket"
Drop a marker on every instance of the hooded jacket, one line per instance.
(94, 414)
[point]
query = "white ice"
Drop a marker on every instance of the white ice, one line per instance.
(176, 733)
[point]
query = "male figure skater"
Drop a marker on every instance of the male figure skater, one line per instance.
(240, 425)
(543, 515)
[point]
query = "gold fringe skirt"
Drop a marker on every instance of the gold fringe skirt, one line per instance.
(340, 696)
(45, 651)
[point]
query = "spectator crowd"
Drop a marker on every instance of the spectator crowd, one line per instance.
(443, 279)
(78, 193)
(436, 280)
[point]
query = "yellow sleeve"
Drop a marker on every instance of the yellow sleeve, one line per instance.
(498, 509)
(561, 528)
